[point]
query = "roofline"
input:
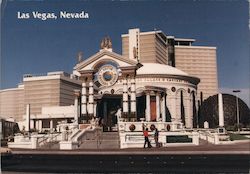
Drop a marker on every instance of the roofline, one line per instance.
(51, 77)
(188, 46)
(184, 39)
(12, 89)
(145, 33)
(98, 55)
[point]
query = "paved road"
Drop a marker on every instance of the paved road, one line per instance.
(206, 158)
(51, 163)
(203, 148)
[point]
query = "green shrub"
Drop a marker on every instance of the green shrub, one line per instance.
(178, 139)
(237, 137)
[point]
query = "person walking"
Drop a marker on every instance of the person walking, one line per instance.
(156, 137)
(145, 133)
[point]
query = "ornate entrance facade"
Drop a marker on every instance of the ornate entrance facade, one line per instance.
(148, 91)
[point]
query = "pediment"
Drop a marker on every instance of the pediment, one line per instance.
(102, 57)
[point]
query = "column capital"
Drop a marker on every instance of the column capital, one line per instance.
(157, 93)
(129, 71)
(87, 75)
(77, 93)
(147, 92)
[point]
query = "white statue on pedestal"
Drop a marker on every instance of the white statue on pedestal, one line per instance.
(119, 114)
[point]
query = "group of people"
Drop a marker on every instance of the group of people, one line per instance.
(145, 132)
(146, 139)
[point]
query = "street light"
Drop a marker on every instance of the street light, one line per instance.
(237, 109)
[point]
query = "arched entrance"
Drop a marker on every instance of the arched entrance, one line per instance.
(107, 107)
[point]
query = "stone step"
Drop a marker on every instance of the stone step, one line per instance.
(109, 137)
(110, 134)
(50, 145)
(100, 145)
(107, 140)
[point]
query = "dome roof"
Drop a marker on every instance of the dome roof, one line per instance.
(209, 111)
(156, 68)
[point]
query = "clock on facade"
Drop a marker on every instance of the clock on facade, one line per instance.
(107, 75)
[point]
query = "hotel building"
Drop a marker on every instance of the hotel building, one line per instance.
(147, 82)
(156, 47)
(51, 89)
(12, 103)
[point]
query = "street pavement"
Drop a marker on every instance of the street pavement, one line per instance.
(203, 148)
(206, 158)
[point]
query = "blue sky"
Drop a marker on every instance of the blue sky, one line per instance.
(32, 46)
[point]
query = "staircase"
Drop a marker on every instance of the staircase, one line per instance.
(106, 140)
(50, 145)
(49, 141)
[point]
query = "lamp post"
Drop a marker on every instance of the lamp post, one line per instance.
(237, 109)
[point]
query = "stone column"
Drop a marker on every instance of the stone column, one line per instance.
(133, 97)
(188, 118)
(158, 106)
(168, 105)
(178, 109)
(51, 124)
(37, 124)
(91, 99)
(173, 108)
(76, 116)
(191, 110)
(95, 107)
(163, 108)
(84, 99)
(125, 97)
(32, 124)
(27, 126)
(148, 111)
(40, 125)
(197, 109)
(221, 112)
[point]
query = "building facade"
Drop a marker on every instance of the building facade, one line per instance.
(155, 79)
(198, 61)
(12, 103)
(51, 89)
(145, 47)
(156, 47)
(144, 91)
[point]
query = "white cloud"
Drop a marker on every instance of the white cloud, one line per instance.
(243, 95)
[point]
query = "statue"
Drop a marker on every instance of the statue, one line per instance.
(109, 43)
(102, 44)
(119, 114)
(106, 43)
(79, 57)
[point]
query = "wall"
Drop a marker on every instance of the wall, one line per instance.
(39, 91)
(12, 103)
(152, 48)
(199, 62)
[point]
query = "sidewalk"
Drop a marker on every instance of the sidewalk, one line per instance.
(204, 148)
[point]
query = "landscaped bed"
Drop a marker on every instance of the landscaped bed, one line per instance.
(237, 137)
(179, 139)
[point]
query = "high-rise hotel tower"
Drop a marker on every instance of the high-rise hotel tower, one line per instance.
(157, 47)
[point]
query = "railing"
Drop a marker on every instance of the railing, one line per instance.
(54, 137)
(99, 139)
(84, 133)
(41, 140)
(210, 137)
(138, 126)
(74, 134)
(47, 138)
